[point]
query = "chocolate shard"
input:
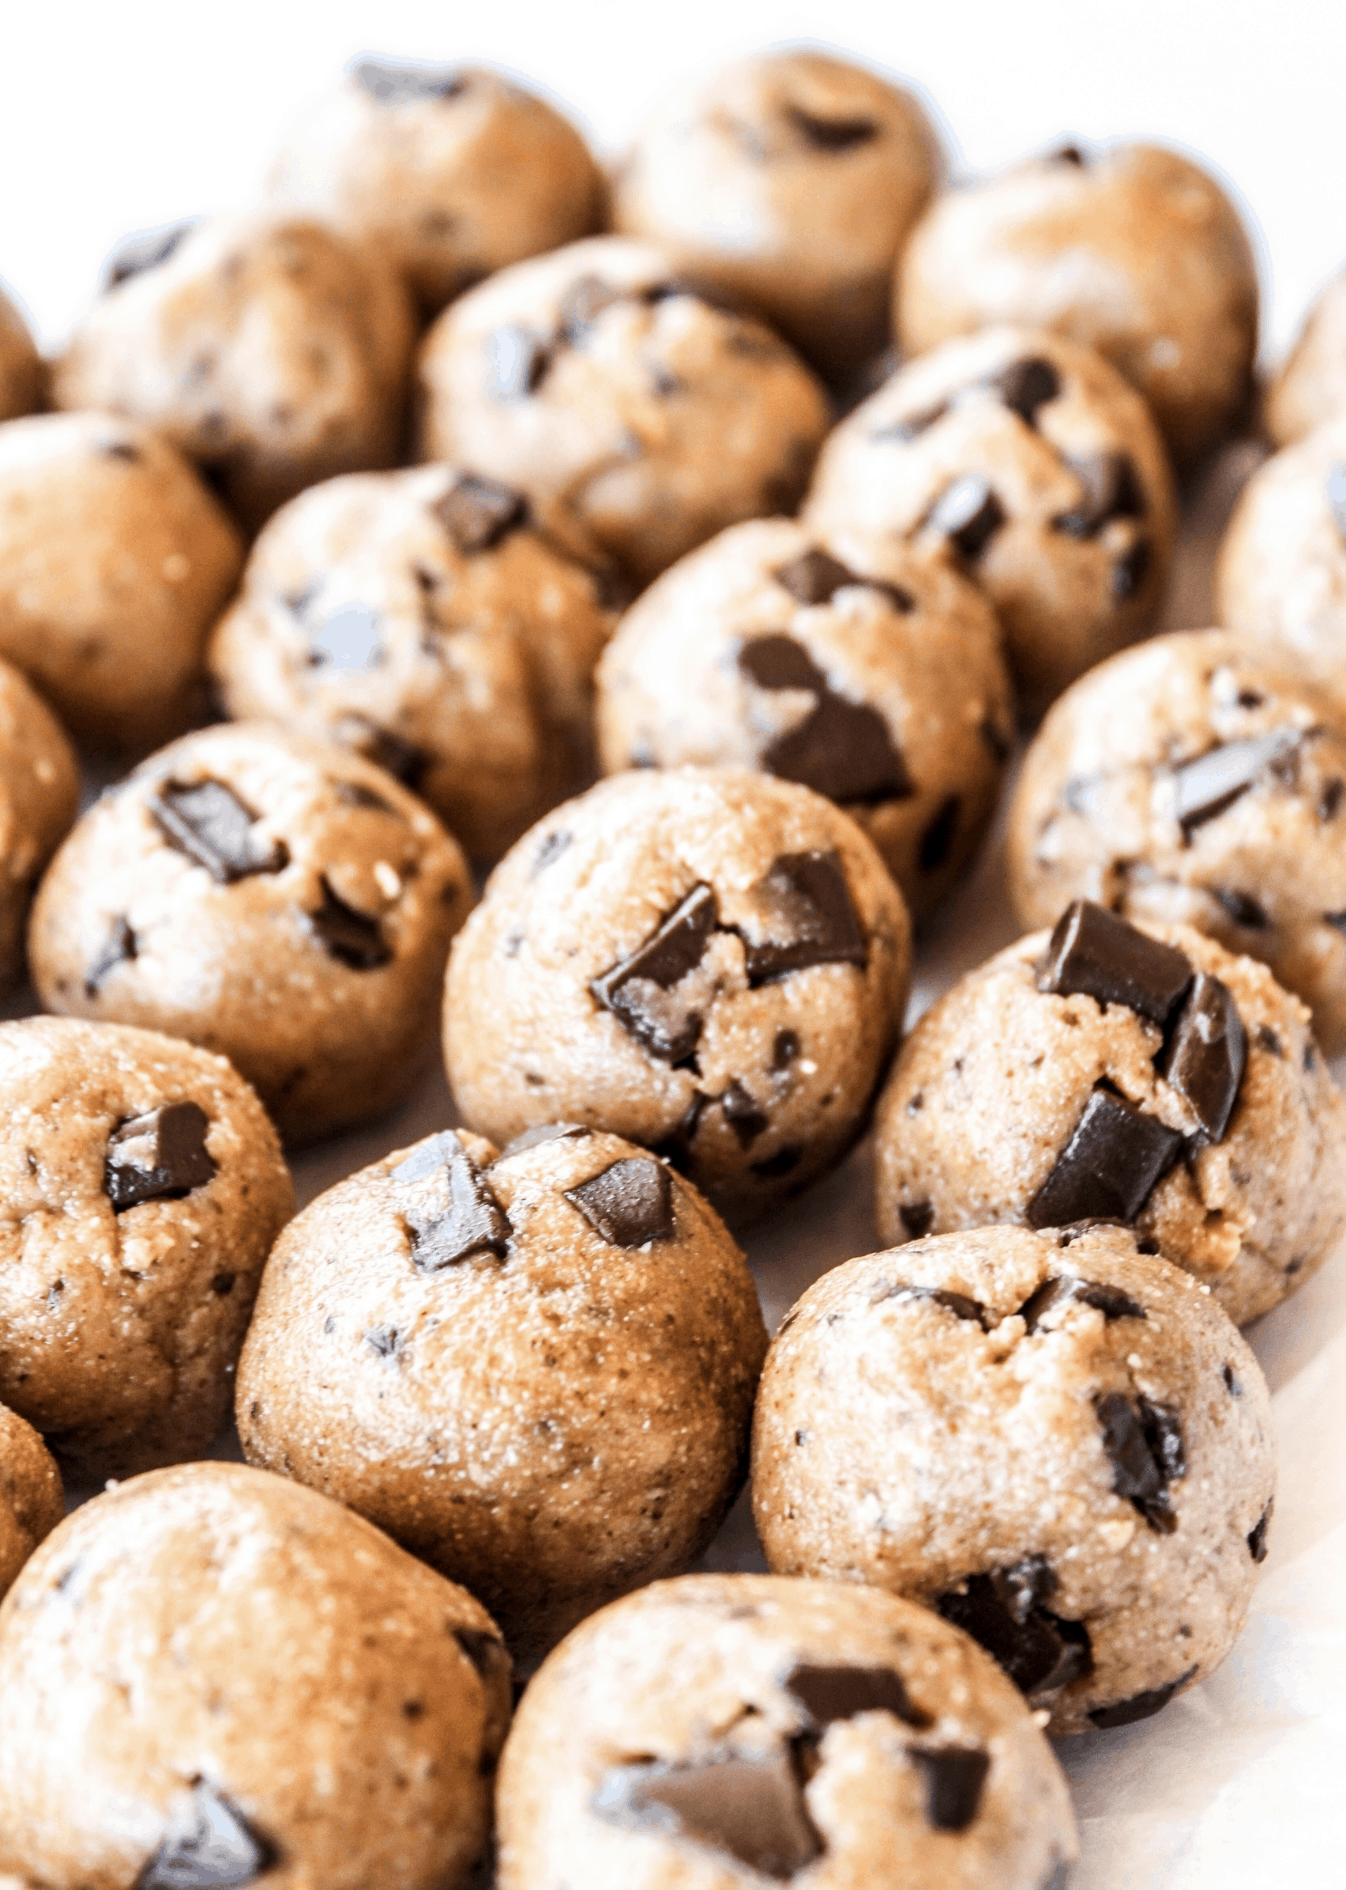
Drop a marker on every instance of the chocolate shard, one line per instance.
(938, 837)
(1336, 496)
(390, 84)
(210, 824)
(842, 749)
(1109, 488)
(477, 513)
(1205, 1055)
(959, 1304)
(1109, 1168)
(633, 988)
(811, 916)
(785, 1049)
(1257, 1535)
(814, 577)
(834, 1693)
(119, 947)
(582, 304)
(1026, 385)
(348, 639)
(351, 937)
(138, 253)
(629, 1203)
(1005, 1612)
(968, 514)
(743, 1115)
(1206, 787)
(159, 1156)
(916, 1218)
(1094, 953)
(750, 1807)
(208, 1845)
(1141, 1706)
(1069, 1290)
(954, 1777)
(461, 1217)
(534, 1138)
(1130, 571)
(519, 362)
(487, 1652)
(831, 134)
(1144, 1443)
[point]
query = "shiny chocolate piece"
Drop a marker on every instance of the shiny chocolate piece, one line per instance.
(208, 1845)
(1205, 1055)
(461, 1217)
(968, 514)
(954, 1777)
(1026, 385)
(1206, 787)
(959, 1304)
(545, 1132)
(136, 254)
(811, 918)
(1257, 1535)
(750, 1807)
(1243, 909)
(831, 134)
(1336, 497)
(743, 1114)
(401, 759)
(210, 824)
(519, 362)
(828, 1694)
(348, 639)
(1144, 1443)
(1109, 488)
(1069, 1290)
(629, 1203)
(842, 749)
(159, 1156)
(1130, 571)
(353, 938)
(390, 84)
(1005, 1612)
(477, 513)
(1094, 953)
(1141, 1706)
(814, 577)
(633, 989)
(1109, 1168)
(937, 840)
(119, 947)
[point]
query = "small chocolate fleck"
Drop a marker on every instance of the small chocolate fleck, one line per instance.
(470, 1221)
(519, 362)
(750, 1807)
(158, 1156)
(954, 1777)
(676, 1148)
(968, 514)
(207, 1845)
(1005, 1611)
(401, 759)
(810, 904)
(136, 254)
(1145, 1446)
(477, 513)
(1257, 1535)
(392, 84)
(551, 849)
(828, 1694)
(842, 749)
(1026, 385)
(743, 1115)
(629, 1203)
(831, 134)
(120, 947)
(210, 824)
(1205, 1055)
(1111, 1165)
(222, 1284)
(916, 1217)
(1068, 1290)
(814, 578)
(348, 639)
(1242, 908)
(1141, 1706)
(785, 1050)
(545, 1132)
(1336, 496)
(1109, 488)
(353, 938)
(1094, 953)
(384, 1341)
(937, 840)
(631, 989)
(1130, 570)
(1211, 783)
(1068, 154)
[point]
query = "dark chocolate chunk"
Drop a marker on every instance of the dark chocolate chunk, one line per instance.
(207, 1845)
(842, 749)
(546, 1132)
(1205, 1055)
(776, 661)
(957, 1303)
(783, 1162)
(138, 253)
(811, 913)
(119, 946)
(1257, 1535)
(1215, 780)
(1068, 154)
(519, 361)
(743, 1115)
(631, 989)
(353, 938)
(1026, 385)
(1330, 798)
(1095, 953)
(1336, 496)
(1109, 488)
(968, 514)
(486, 1651)
(406, 85)
(1231, 1384)
(348, 639)
(477, 513)
(159, 1156)
(1110, 1166)
(785, 1049)
(1242, 908)
(753, 1808)
(583, 303)
(222, 1284)
(384, 1341)
(937, 840)
(1005, 1612)
(911, 426)
(551, 849)
(916, 1217)
(629, 1203)
(831, 134)
(473, 1221)
(390, 752)
(1142, 1706)
(1144, 1442)
(814, 577)
(209, 823)
(677, 1147)
(1067, 1290)
(832, 1693)
(954, 1777)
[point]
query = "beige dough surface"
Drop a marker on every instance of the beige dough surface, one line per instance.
(31, 1502)
(39, 793)
(1311, 386)
(23, 378)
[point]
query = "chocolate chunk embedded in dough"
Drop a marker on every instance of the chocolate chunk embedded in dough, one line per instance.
(1109, 488)
(1004, 1612)
(1069, 1290)
(751, 1807)
(814, 577)
(208, 1845)
(968, 514)
(1110, 1166)
(810, 918)
(158, 1156)
(406, 85)
(743, 1114)
(629, 1203)
(937, 840)
(353, 938)
(1141, 1706)
(486, 1651)
(1257, 1535)
(1026, 385)
(633, 988)
(1094, 953)
(831, 134)
(119, 946)
(1144, 1443)
(954, 1777)
(459, 1218)
(833, 1693)
(209, 823)
(477, 513)
(842, 749)
(1206, 787)
(1205, 1055)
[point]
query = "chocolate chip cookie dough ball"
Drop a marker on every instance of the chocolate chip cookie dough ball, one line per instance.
(268, 349)
(1197, 779)
(31, 1501)
(39, 793)
(1028, 464)
(789, 182)
(280, 900)
(628, 409)
(535, 1369)
(878, 682)
(142, 1187)
(1054, 1439)
(114, 561)
(709, 962)
(416, 617)
(213, 1676)
(1133, 251)
(455, 170)
(1144, 1075)
(1311, 386)
(22, 375)
(727, 1729)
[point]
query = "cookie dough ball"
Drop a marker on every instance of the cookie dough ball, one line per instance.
(455, 170)
(213, 1676)
(1133, 251)
(535, 1369)
(710, 962)
(1027, 463)
(1053, 1438)
(114, 561)
(280, 900)
(416, 617)
(1142, 1074)
(788, 182)
(39, 793)
(1197, 779)
(268, 349)
(31, 1500)
(1311, 386)
(868, 674)
(727, 1729)
(22, 375)
(630, 411)
(142, 1187)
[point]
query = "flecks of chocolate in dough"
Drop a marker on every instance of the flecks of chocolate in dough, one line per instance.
(1112, 1163)
(1205, 1055)
(1109, 488)
(831, 134)
(352, 938)
(1026, 385)
(138, 253)
(1141, 1706)
(1093, 953)
(520, 358)
(469, 1221)
(629, 1203)
(968, 515)
(1069, 1290)
(811, 920)
(937, 841)
(954, 1777)
(1005, 1611)
(159, 1156)
(632, 988)
(395, 85)
(477, 513)
(842, 749)
(120, 947)
(750, 1807)
(1257, 1535)
(208, 1845)
(1144, 1443)
(833, 1693)
(210, 824)
(1208, 785)
(347, 640)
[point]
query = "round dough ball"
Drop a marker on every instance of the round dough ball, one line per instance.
(868, 674)
(210, 1670)
(1139, 1073)
(114, 561)
(1197, 779)
(534, 1369)
(268, 349)
(415, 617)
(1134, 251)
(455, 170)
(39, 793)
(1054, 1438)
(23, 378)
(709, 962)
(727, 1729)
(1311, 386)
(281, 900)
(789, 182)
(143, 1186)
(1029, 464)
(632, 412)
(31, 1499)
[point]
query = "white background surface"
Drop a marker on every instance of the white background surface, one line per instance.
(117, 117)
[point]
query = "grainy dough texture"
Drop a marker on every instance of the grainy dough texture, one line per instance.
(1027, 463)
(1133, 250)
(535, 1369)
(280, 900)
(209, 1663)
(141, 1187)
(709, 962)
(1058, 1441)
(632, 412)
(1311, 386)
(39, 792)
(416, 617)
(31, 1501)
(726, 1730)
(22, 375)
(789, 182)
